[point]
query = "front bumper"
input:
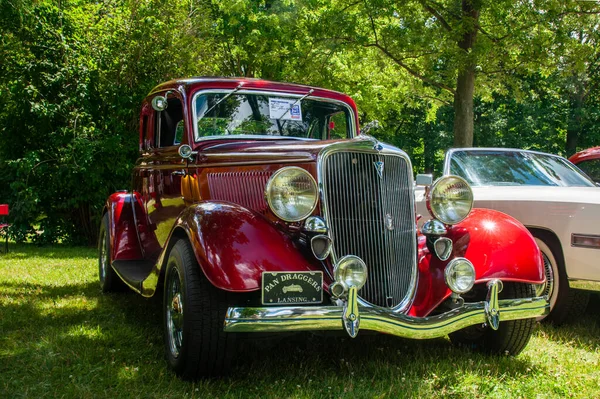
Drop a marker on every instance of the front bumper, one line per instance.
(321, 318)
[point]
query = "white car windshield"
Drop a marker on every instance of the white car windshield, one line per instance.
(270, 115)
(515, 168)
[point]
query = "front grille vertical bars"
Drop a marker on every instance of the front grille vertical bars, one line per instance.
(360, 207)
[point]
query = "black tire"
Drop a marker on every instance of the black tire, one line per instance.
(193, 316)
(510, 338)
(109, 280)
(566, 304)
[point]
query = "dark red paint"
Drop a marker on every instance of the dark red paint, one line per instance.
(585, 155)
(498, 245)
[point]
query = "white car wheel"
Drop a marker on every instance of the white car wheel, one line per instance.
(552, 285)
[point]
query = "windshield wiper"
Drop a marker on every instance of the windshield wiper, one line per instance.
(294, 103)
(231, 93)
(278, 120)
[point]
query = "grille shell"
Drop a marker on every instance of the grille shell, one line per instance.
(373, 218)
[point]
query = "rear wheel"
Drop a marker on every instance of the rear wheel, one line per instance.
(510, 338)
(194, 313)
(565, 302)
(109, 280)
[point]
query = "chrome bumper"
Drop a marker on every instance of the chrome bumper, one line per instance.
(320, 318)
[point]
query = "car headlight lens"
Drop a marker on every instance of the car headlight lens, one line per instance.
(351, 271)
(460, 275)
(450, 199)
(291, 194)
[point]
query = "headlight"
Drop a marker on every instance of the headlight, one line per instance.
(450, 199)
(351, 271)
(291, 194)
(460, 275)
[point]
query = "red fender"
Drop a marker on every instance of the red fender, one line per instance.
(124, 242)
(499, 247)
(234, 245)
(124, 228)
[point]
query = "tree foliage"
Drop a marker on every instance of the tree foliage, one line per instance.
(73, 73)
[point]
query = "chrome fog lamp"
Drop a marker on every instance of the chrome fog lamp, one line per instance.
(450, 199)
(291, 194)
(460, 275)
(351, 271)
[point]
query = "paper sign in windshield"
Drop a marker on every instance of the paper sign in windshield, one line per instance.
(283, 109)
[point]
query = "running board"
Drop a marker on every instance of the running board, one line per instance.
(133, 272)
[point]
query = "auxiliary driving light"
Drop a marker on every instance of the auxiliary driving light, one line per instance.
(351, 271)
(460, 275)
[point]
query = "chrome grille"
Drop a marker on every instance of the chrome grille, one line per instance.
(372, 217)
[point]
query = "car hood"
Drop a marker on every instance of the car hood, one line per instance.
(264, 150)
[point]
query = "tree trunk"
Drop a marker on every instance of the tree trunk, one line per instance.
(465, 84)
(463, 109)
(575, 120)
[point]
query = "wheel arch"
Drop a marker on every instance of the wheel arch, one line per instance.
(553, 242)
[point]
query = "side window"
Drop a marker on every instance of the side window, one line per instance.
(338, 126)
(169, 124)
(144, 133)
(592, 168)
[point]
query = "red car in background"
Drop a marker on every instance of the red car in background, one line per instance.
(588, 161)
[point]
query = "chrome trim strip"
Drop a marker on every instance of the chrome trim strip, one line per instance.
(353, 123)
(312, 318)
(367, 144)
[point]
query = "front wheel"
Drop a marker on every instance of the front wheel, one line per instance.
(565, 303)
(194, 313)
(510, 338)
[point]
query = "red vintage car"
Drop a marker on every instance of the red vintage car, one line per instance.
(588, 161)
(259, 207)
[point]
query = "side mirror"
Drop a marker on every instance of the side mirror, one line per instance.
(159, 103)
(374, 124)
(185, 152)
(424, 180)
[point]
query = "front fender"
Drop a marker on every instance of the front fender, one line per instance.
(234, 245)
(499, 247)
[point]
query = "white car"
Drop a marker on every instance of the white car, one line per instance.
(558, 203)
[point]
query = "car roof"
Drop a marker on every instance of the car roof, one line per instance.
(585, 155)
(248, 83)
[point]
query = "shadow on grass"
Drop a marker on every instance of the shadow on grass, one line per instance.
(82, 340)
(583, 333)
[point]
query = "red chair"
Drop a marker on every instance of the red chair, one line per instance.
(4, 226)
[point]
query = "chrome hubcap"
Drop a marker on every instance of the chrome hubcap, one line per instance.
(548, 287)
(174, 309)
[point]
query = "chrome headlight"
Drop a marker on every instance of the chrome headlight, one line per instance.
(291, 194)
(351, 271)
(460, 275)
(450, 199)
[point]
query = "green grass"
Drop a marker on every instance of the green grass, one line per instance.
(61, 337)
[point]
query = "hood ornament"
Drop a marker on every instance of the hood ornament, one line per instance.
(389, 222)
(379, 168)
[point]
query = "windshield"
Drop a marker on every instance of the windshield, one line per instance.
(515, 168)
(220, 114)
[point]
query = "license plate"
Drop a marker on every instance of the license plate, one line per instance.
(284, 288)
